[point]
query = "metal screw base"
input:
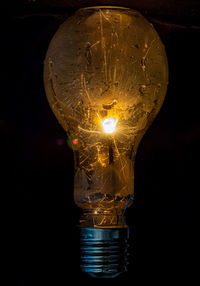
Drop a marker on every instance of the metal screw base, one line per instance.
(104, 251)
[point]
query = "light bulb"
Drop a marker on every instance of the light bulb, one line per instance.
(105, 76)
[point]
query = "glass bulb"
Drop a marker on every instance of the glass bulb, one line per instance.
(105, 76)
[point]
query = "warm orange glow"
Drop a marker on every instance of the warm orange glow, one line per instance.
(109, 125)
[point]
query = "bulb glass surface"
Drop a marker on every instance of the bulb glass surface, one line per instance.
(105, 72)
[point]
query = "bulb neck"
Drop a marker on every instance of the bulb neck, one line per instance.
(102, 219)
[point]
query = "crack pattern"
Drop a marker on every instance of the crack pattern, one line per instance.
(105, 63)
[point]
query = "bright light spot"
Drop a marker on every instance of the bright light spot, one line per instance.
(109, 125)
(75, 141)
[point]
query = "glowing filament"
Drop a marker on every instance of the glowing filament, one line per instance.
(109, 125)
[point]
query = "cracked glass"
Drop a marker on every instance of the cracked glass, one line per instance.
(105, 77)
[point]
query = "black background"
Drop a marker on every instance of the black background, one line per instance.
(40, 217)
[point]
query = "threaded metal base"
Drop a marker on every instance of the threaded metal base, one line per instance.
(104, 251)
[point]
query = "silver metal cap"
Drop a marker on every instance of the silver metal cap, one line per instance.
(104, 251)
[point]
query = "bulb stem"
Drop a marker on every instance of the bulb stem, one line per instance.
(111, 158)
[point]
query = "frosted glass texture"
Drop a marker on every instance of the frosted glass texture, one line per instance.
(105, 62)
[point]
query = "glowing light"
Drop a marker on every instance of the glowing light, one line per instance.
(109, 125)
(75, 141)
